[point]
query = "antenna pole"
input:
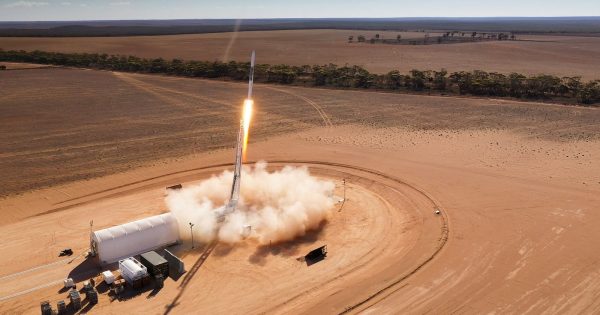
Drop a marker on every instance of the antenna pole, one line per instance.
(192, 233)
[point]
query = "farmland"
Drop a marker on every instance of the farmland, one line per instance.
(532, 54)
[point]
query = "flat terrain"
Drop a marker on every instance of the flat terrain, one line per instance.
(60, 125)
(517, 184)
(557, 55)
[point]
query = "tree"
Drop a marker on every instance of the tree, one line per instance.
(361, 38)
(516, 85)
(542, 86)
(439, 79)
(590, 93)
(393, 80)
(463, 80)
(350, 39)
(362, 78)
(159, 65)
(2, 67)
(283, 74)
(417, 80)
(571, 85)
(320, 77)
(399, 37)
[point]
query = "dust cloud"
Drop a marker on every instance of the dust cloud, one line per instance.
(273, 207)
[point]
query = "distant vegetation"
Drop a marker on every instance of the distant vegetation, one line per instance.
(2, 67)
(481, 83)
(553, 25)
(453, 37)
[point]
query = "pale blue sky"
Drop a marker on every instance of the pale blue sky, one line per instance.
(48, 10)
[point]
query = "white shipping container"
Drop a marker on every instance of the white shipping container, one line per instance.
(132, 270)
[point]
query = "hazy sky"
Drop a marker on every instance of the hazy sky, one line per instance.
(44, 10)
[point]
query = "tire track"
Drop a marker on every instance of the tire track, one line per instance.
(153, 89)
(317, 107)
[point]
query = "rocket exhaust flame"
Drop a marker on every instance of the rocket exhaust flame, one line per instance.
(247, 116)
(248, 103)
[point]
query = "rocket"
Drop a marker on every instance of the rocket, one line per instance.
(251, 75)
(241, 141)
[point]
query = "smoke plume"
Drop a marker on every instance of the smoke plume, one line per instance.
(273, 206)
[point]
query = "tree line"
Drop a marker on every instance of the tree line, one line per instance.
(480, 83)
(444, 38)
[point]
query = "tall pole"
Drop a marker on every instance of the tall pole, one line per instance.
(192, 233)
(92, 249)
(344, 198)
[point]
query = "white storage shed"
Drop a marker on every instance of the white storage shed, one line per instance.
(134, 238)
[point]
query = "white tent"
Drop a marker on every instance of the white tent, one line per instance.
(134, 238)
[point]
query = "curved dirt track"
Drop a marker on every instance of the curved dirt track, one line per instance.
(383, 233)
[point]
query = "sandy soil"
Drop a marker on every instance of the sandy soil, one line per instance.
(517, 184)
(557, 55)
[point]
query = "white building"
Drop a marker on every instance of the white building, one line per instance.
(134, 238)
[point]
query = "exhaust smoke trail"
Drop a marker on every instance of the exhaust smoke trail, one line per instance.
(232, 40)
(278, 206)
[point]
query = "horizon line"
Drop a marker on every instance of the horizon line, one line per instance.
(313, 18)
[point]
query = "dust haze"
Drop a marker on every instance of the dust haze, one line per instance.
(278, 205)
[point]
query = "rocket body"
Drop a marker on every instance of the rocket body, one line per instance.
(241, 140)
(251, 75)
